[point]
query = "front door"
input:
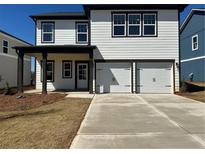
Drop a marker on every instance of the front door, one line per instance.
(82, 75)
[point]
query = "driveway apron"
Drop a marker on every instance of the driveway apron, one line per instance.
(142, 121)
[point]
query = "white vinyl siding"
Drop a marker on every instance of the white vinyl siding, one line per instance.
(59, 82)
(65, 32)
(8, 63)
(164, 46)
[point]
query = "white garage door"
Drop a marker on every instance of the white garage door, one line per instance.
(154, 78)
(113, 77)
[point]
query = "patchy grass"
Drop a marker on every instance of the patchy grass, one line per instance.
(49, 126)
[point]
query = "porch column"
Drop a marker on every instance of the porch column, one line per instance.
(20, 71)
(44, 75)
(91, 73)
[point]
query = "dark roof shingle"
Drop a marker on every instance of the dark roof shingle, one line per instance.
(60, 15)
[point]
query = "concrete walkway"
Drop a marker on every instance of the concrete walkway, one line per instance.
(142, 121)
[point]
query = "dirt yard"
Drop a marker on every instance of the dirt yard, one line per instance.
(29, 101)
(48, 126)
(195, 90)
(199, 96)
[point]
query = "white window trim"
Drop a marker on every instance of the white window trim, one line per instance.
(197, 47)
(82, 33)
(64, 69)
(43, 41)
(134, 24)
(113, 25)
(155, 29)
(5, 46)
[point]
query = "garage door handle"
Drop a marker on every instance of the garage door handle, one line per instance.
(139, 85)
(127, 85)
(167, 85)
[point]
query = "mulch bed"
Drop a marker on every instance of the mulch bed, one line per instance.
(11, 103)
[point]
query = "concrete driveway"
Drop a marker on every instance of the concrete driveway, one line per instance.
(142, 121)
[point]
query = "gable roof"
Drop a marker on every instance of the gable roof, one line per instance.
(88, 7)
(189, 16)
(5, 33)
(60, 15)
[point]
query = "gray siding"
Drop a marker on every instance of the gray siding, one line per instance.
(8, 63)
(164, 46)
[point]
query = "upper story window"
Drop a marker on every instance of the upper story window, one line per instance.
(194, 42)
(134, 22)
(82, 32)
(119, 24)
(5, 46)
(67, 69)
(149, 24)
(47, 32)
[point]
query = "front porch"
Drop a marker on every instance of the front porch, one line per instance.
(59, 67)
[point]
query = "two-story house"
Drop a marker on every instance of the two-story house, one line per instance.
(8, 60)
(107, 48)
(192, 38)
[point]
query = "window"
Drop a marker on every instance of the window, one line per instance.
(5, 46)
(194, 42)
(138, 24)
(82, 32)
(48, 32)
(82, 72)
(67, 69)
(119, 24)
(50, 71)
(149, 24)
(134, 21)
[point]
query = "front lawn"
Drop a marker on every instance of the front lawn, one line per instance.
(48, 126)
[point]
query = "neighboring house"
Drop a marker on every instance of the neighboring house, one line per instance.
(192, 38)
(108, 48)
(9, 58)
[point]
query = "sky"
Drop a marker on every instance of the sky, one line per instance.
(14, 19)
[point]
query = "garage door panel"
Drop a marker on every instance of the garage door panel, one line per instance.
(113, 77)
(154, 77)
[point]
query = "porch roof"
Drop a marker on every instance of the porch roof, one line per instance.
(56, 48)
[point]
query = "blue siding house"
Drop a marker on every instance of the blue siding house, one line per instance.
(192, 46)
